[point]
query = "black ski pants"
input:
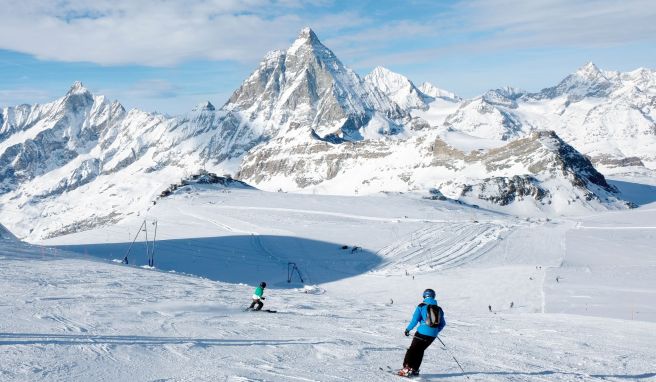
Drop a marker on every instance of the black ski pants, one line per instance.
(258, 303)
(415, 353)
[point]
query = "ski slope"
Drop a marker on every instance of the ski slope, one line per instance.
(84, 316)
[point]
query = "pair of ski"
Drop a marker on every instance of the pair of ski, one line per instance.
(389, 369)
(261, 310)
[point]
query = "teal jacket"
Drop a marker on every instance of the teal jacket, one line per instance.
(259, 292)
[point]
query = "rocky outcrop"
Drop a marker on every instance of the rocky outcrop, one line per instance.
(506, 190)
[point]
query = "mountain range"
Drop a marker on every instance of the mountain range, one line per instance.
(304, 122)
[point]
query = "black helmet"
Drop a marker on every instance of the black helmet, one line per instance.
(429, 293)
(263, 285)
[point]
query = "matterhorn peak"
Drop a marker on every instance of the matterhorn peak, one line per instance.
(306, 38)
(307, 34)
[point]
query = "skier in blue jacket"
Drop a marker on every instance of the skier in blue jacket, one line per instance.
(424, 336)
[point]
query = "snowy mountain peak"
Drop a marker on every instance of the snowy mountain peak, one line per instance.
(307, 87)
(77, 88)
(397, 87)
(306, 38)
(204, 106)
(388, 80)
(587, 81)
(589, 70)
(307, 34)
(433, 91)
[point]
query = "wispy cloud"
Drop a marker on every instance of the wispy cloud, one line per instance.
(573, 23)
(156, 33)
(507, 25)
(153, 88)
(167, 32)
(23, 95)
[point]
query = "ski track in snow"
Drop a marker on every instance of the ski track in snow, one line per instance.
(335, 214)
(440, 246)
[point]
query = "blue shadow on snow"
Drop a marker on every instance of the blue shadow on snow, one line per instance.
(244, 259)
(637, 193)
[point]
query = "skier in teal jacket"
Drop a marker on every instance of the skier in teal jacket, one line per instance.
(258, 296)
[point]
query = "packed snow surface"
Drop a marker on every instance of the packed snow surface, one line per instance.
(71, 313)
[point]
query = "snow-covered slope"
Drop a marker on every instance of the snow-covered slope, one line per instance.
(78, 318)
(398, 88)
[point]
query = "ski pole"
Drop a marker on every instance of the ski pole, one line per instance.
(454, 358)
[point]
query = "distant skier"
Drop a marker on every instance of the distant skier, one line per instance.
(258, 296)
(512, 304)
(489, 307)
(430, 318)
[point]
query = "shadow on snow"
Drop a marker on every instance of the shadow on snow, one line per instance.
(637, 193)
(245, 259)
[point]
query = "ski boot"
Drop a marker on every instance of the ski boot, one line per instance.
(406, 372)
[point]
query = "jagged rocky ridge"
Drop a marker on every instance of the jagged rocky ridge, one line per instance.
(301, 122)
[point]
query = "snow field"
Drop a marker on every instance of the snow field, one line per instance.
(78, 317)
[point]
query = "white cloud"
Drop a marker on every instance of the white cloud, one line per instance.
(13, 97)
(156, 33)
(498, 26)
(153, 88)
(581, 23)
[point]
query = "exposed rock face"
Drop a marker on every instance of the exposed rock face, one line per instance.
(539, 167)
(41, 138)
(505, 190)
(308, 90)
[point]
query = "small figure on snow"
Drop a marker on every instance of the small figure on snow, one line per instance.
(511, 304)
(258, 296)
(489, 307)
(430, 318)
(557, 279)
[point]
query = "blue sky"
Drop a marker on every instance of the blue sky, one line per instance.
(169, 55)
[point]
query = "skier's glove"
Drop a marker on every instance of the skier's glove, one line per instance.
(263, 298)
(407, 333)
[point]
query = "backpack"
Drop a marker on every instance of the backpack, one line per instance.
(433, 315)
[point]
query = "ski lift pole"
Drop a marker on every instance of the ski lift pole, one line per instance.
(145, 225)
(152, 251)
(125, 259)
(454, 358)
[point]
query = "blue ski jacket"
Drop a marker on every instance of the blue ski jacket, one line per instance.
(419, 318)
